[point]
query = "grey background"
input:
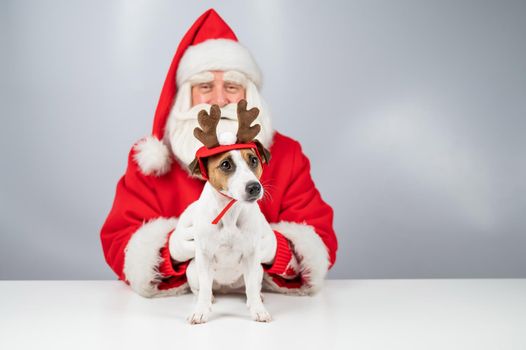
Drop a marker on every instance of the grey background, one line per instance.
(412, 113)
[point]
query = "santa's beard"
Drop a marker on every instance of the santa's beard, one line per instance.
(180, 129)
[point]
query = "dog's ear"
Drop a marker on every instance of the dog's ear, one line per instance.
(195, 169)
(263, 152)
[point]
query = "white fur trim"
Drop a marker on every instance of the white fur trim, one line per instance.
(312, 255)
(142, 258)
(217, 54)
(152, 156)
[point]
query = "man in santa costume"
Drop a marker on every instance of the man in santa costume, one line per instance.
(140, 238)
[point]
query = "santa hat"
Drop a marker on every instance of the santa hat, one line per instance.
(208, 45)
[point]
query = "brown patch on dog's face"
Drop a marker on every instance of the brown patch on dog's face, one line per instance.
(220, 167)
(252, 160)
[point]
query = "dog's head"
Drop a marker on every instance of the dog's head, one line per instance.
(233, 169)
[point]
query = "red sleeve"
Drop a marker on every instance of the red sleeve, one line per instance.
(136, 212)
(307, 223)
(285, 263)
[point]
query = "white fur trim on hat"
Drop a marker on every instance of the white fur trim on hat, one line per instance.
(217, 54)
(142, 259)
(312, 255)
(152, 156)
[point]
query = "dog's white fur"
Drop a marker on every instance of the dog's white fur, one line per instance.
(229, 251)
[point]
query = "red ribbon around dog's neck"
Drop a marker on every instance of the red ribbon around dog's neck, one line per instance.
(223, 212)
(225, 209)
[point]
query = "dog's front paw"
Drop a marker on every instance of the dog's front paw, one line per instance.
(260, 314)
(198, 316)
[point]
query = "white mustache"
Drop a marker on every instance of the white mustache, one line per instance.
(227, 112)
(183, 142)
(181, 125)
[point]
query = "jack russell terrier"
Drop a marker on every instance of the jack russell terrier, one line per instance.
(228, 225)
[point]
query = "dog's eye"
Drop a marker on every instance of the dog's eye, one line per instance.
(253, 161)
(226, 165)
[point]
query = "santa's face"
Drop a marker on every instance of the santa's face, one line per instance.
(213, 87)
(217, 88)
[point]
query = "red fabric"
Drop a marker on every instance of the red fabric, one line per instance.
(139, 198)
(283, 256)
(173, 271)
(208, 26)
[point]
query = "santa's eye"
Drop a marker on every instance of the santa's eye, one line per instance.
(233, 88)
(205, 87)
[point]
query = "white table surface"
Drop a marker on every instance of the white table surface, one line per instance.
(347, 314)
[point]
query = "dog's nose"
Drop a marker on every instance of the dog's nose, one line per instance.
(253, 189)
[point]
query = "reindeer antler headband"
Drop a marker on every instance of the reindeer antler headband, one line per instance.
(245, 137)
(208, 122)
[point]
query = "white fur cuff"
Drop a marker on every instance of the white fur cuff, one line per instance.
(312, 254)
(142, 258)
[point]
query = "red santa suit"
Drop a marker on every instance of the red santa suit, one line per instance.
(156, 189)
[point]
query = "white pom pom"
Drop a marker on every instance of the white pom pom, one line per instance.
(152, 156)
(226, 138)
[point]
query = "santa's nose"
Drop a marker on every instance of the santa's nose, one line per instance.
(219, 98)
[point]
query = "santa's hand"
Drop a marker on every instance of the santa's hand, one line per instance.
(268, 246)
(182, 244)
